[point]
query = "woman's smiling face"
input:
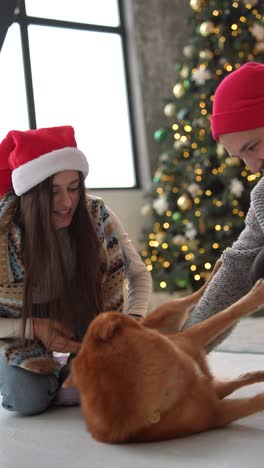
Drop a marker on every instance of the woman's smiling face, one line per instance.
(66, 196)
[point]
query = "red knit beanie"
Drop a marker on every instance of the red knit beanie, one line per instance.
(239, 101)
(29, 157)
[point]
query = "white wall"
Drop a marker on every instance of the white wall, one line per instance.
(126, 204)
(155, 38)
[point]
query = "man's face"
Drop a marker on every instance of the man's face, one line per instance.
(248, 145)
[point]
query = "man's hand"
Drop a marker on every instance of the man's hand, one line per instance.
(55, 336)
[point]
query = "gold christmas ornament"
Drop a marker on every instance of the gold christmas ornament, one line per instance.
(184, 202)
(202, 226)
(206, 54)
(160, 236)
(184, 73)
(259, 47)
(220, 150)
(193, 244)
(232, 161)
(195, 4)
(206, 28)
(178, 90)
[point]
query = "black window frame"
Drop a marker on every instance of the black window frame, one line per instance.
(14, 11)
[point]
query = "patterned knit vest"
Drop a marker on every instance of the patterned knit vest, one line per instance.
(31, 354)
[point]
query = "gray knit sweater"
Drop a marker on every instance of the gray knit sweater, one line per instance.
(231, 282)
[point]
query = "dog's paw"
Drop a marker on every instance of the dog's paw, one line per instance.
(256, 294)
(258, 283)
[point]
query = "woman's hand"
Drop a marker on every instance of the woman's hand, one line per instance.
(55, 336)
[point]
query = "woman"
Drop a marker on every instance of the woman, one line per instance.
(64, 258)
(238, 123)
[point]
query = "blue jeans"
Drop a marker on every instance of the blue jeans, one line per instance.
(26, 392)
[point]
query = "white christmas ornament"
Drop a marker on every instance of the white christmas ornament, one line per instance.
(163, 157)
(178, 144)
(190, 231)
(223, 61)
(236, 188)
(160, 205)
(170, 109)
(179, 240)
(188, 51)
(193, 189)
(258, 31)
(201, 122)
(200, 76)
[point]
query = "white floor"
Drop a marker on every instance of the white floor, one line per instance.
(247, 337)
(58, 438)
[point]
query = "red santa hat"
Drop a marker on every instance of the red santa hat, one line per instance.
(239, 101)
(29, 157)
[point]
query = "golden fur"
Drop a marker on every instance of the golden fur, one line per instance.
(146, 381)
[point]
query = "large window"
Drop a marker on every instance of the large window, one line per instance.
(63, 62)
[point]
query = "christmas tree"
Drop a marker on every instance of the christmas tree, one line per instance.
(200, 195)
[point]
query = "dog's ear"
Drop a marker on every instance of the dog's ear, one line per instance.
(106, 326)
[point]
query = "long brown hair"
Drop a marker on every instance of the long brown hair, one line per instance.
(80, 297)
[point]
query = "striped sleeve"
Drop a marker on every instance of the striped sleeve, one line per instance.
(139, 278)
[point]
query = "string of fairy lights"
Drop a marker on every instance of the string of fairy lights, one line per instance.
(191, 141)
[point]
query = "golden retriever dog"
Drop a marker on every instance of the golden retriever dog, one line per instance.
(148, 381)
